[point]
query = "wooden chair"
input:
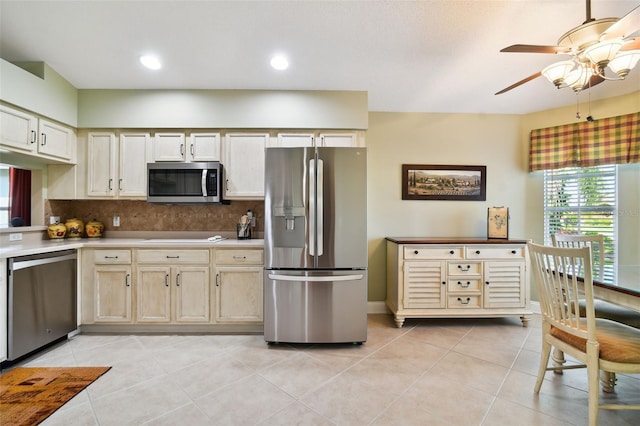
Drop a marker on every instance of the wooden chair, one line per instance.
(599, 344)
(596, 242)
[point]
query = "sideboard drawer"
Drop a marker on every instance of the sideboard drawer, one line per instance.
(112, 257)
(173, 256)
(464, 301)
(499, 252)
(434, 252)
(464, 268)
(465, 285)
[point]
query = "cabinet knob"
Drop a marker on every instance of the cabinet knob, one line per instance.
(415, 252)
(477, 251)
(487, 282)
(513, 252)
(451, 252)
(444, 282)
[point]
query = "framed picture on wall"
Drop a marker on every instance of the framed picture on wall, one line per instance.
(498, 222)
(440, 182)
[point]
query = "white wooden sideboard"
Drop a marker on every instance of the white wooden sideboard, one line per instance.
(457, 277)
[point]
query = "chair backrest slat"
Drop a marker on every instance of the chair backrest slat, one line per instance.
(596, 242)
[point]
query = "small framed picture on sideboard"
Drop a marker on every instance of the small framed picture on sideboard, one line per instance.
(498, 222)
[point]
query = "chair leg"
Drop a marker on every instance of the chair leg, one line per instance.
(558, 360)
(544, 361)
(593, 375)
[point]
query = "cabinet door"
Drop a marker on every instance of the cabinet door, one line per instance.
(112, 293)
(18, 129)
(239, 294)
(192, 299)
(101, 167)
(169, 147)
(153, 294)
(244, 165)
(56, 141)
(504, 284)
(424, 285)
(291, 140)
(204, 147)
(132, 181)
(338, 140)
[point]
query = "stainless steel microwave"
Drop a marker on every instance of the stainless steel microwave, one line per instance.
(184, 183)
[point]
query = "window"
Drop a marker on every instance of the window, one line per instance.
(584, 201)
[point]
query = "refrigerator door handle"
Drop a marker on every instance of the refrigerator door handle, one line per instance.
(323, 278)
(312, 208)
(319, 206)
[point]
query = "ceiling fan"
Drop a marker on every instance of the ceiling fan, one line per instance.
(595, 45)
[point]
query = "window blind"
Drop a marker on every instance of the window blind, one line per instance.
(583, 200)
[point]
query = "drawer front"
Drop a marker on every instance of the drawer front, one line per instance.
(433, 252)
(173, 256)
(464, 268)
(495, 252)
(239, 257)
(464, 285)
(464, 302)
(112, 257)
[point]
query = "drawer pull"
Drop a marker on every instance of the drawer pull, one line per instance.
(415, 252)
(111, 257)
(513, 252)
(452, 252)
(464, 302)
(239, 257)
(464, 285)
(477, 251)
(173, 257)
(464, 270)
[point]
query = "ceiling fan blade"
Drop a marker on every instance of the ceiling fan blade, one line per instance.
(595, 79)
(627, 25)
(532, 48)
(521, 82)
(631, 44)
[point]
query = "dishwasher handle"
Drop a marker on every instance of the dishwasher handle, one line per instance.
(22, 264)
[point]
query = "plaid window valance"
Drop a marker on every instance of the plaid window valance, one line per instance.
(614, 140)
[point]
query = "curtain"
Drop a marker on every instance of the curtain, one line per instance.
(20, 194)
(613, 140)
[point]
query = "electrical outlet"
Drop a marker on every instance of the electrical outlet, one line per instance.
(15, 237)
(116, 220)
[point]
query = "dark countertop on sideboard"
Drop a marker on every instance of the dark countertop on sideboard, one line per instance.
(452, 240)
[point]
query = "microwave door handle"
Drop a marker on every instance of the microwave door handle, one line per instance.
(312, 208)
(203, 182)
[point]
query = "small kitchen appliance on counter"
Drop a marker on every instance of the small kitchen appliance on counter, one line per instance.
(315, 281)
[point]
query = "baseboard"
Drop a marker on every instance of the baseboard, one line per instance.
(535, 307)
(377, 308)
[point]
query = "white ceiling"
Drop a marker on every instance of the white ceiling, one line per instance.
(416, 56)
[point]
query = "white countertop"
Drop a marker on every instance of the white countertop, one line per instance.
(45, 246)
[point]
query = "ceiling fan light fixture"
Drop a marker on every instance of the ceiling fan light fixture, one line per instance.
(579, 77)
(557, 72)
(624, 62)
(603, 52)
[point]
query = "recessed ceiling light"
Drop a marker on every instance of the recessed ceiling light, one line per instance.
(279, 62)
(151, 62)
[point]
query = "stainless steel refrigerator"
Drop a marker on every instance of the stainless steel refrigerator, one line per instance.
(315, 281)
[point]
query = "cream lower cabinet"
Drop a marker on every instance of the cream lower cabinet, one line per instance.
(173, 286)
(239, 282)
(106, 286)
(472, 278)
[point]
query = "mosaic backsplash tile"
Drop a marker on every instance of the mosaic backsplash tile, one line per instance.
(142, 216)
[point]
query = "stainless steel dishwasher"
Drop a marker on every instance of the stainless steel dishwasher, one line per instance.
(42, 296)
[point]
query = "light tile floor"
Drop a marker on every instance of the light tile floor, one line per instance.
(430, 372)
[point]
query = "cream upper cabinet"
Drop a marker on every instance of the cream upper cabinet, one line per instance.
(243, 160)
(317, 138)
(117, 166)
(204, 147)
(180, 147)
(26, 133)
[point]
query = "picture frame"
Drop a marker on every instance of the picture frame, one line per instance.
(498, 223)
(444, 182)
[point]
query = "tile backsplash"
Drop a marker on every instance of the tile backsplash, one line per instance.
(143, 216)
